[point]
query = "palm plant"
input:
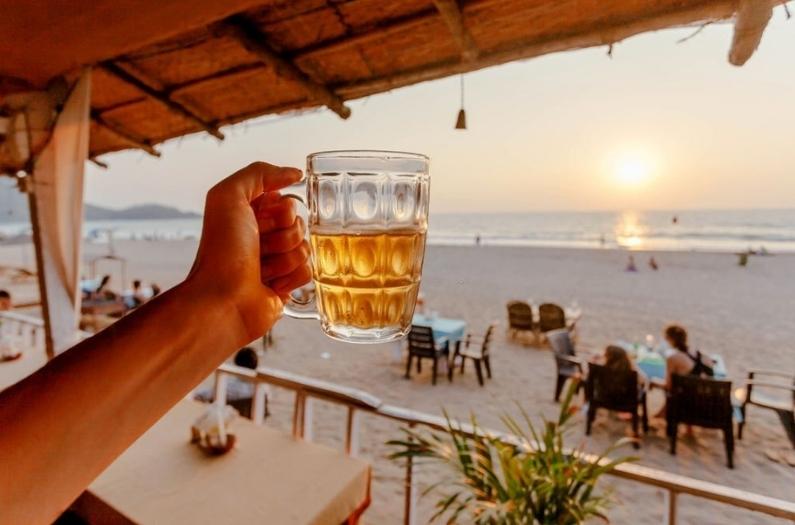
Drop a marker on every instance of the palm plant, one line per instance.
(521, 478)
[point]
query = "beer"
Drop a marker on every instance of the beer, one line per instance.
(367, 218)
(367, 280)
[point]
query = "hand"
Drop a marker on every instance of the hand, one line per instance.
(252, 252)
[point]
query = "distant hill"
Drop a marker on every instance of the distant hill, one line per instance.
(14, 208)
(142, 211)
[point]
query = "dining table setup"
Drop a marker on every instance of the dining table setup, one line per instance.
(651, 358)
(444, 329)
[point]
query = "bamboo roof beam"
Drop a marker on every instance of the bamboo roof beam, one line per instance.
(255, 42)
(162, 97)
(750, 23)
(601, 35)
(454, 18)
(123, 134)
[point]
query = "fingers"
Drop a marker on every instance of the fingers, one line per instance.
(274, 212)
(283, 240)
(252, 181)
(295, 279)
(282, 264)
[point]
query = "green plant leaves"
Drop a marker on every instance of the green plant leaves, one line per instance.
(527, 477)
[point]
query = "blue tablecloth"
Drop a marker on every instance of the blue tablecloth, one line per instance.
(451, 329)
(652, 361)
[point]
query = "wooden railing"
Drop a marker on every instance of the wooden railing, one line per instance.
(358, 402)
(24, 330)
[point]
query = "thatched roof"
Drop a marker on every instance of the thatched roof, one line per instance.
(172, 67)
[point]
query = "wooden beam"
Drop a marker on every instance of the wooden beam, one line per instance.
(123, 134)
(255, 42)
(163, 98)
(99, 163)
(750, 23)
(602, 34)
(454, 18)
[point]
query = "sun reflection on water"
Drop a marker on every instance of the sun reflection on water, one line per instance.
(629, 231)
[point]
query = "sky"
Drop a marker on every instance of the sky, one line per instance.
(660, 125)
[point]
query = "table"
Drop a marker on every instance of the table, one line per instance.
(268, 478)
(451, 329)
(652, 361)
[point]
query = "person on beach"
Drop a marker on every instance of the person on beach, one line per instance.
(8, 350)
(239, 393)
(5, 301)
(631, 266)
(65, 423)
(653, 264)
(682, 362)
(616, 360)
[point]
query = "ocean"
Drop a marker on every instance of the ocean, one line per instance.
(686, 230)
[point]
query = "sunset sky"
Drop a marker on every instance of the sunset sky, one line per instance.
(661, 125)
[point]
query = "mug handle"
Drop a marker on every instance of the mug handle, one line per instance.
(295, 307)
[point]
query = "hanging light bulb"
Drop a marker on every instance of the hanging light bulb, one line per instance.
(461, 121)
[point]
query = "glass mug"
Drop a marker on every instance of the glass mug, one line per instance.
(367, 222)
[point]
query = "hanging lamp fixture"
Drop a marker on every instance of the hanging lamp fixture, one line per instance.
(461, 121)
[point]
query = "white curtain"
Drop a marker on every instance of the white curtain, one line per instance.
(56, 206)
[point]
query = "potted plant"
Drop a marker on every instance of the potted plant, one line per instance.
(520, 478)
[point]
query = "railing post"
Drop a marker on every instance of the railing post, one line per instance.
(411, 493)
(670, 507)
(220, 388)
(259, 405)
(298, 414)
(352, 432)
(306, 425)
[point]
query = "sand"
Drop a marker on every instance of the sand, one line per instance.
(745, 314)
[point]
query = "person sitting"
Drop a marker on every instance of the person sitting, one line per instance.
(239, 392)
(5, 301)
(616, 360)
(683, 362)
(155, 290)
(101, 292)
(135, 297)
(8, 350)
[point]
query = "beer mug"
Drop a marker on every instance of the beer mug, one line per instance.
(367, 221)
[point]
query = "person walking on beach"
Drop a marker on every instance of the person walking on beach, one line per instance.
(631, 266)
(68, 421)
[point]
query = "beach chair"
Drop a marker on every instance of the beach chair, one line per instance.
(566, 361)
(520, 319)
(616, 392)
(783, 406)
(701, 402)
(422, 345)
(475, 348)
(550, 317)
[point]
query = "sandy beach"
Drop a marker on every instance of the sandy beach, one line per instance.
(744, 314)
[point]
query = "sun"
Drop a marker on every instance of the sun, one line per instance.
(633, 169)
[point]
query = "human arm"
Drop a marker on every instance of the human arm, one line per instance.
(63, 425)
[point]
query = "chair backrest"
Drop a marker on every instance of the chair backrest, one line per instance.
(606, 388)
(551, 317)
(700, 401)
(421, 341)
(560, 341)
(520, 315)
(487, 339)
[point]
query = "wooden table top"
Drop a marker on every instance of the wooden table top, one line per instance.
(268, 478)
